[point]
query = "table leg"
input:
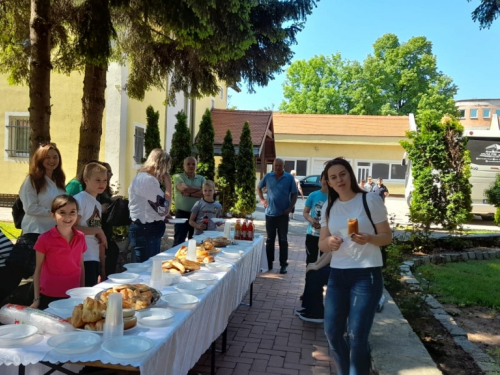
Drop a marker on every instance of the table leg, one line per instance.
(224, 341)
(212, 359)
(22, 370)
(251, 297)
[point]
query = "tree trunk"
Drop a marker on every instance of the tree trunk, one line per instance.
(39, 80)
(93, 103)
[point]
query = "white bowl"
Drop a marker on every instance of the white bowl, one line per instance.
(205, 278)
(127, 347)
(180, 300)
(155, 317)
(123, 278)
(65, 305)
(83, 292)
(177, 221)
(12, 334)
(73, 342)
(137, 267)
(194, 287)
(232, 253)
(219, 266)
(170, 278)
(217, 220)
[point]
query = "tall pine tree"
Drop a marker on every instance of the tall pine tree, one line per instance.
(205, 146)
(226, 179)
(152, 135)
(181, 144)
(245, 175)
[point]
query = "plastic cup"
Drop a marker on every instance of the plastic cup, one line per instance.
(113, 326)
(156, 280)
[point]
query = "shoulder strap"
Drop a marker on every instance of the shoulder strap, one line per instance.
(367, 210)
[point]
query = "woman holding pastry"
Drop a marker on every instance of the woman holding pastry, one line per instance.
(355, 283)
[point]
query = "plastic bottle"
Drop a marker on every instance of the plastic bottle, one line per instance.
(44, 321)
(237, 230)
(250, 231)
(244, 231)
(205, 221)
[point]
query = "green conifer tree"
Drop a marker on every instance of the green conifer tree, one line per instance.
(152, 135)
(441, 171)
(205, 146)
(245, 175)
(226, 179)
(181, 144)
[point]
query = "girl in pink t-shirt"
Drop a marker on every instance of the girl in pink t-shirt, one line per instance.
(59, 255)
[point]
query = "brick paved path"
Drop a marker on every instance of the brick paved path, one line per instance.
(268, 338)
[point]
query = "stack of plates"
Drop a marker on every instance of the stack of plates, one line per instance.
(219, 266)
(205, 278)
(16, 334)
(180, 300)
(155, 317)
(194, 287)
(83, 292)
(123, 278)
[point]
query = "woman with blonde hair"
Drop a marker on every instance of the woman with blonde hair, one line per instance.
(149, 204)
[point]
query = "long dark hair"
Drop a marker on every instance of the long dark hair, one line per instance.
(332, 194)
(37, 170)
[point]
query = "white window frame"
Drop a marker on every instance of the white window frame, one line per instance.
(460, 111)
(371, 162)
(136, 165)
(8, 134)
(323, 160)
(307, 160)
(489, 112)
(221, 92)
(470, 113)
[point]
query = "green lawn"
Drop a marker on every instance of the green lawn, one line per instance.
(10, 230)
(473, 283)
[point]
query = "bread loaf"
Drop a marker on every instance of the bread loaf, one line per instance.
(352, 226)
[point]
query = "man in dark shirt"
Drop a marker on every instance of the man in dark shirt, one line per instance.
(381, 189)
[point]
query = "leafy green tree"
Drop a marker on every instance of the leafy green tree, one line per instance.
(441, 170)
(181, 144)
(205, 147)
(152, 135)
(397, 79)
(493, 197)
(226, 179)
(245, 175)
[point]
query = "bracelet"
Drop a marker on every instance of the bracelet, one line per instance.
(36, 299)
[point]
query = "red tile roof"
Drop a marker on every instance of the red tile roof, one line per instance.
(346, 125)
(224, 119)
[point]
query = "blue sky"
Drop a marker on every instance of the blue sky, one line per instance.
(470, 56)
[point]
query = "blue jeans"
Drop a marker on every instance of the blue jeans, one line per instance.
(146, 239)
(351, 300)
(183, 229)
(280, 224)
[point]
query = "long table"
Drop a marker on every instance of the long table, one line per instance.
(177, 346)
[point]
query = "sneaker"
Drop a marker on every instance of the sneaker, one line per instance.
(381, 303)
(283, 270)
(299, 312)
(311, 318)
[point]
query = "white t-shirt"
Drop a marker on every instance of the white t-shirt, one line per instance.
(90, 211)
(350, 254)
(37, 207)
(147, 201)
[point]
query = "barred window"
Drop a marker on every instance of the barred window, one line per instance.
(18, 129)
(139, 145)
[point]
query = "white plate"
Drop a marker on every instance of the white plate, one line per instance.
(83, 292)
(219, 266)
(217, 220)
(74, 342)
(194, 287)
(205, 278)
(13, 334)
(170, 278)
(127, 347)
(155, 317)
(123, 278)
(64, 305)
(232, 253)
(177, 221)
(137, 267)
(180, 300)
(101, 332)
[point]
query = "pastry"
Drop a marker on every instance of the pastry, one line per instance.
(76, 316)
(352, 226)
(92, 310)
(189, 264)
(177, 264)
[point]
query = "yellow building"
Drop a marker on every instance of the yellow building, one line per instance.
(369, 143)
(124, 122)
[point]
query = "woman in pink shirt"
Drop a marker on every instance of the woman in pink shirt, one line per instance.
(59, 255)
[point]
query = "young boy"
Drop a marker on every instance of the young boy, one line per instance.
(205, 209)
(95, 177)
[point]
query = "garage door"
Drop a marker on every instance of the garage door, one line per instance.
(318, 165)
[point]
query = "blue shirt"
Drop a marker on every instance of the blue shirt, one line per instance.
(315, 201)
(278, 192)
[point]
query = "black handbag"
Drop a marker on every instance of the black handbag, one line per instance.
(22, 257)
(118, 213)
(18, 213)
(383, 249)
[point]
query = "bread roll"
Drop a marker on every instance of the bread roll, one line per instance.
(76, 316)
(208, 259)
(352, 226)
(99, 325)
(129, 322)
(190, 265)
(92, 310)
(178, 265)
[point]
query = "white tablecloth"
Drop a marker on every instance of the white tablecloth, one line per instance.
(179, 345)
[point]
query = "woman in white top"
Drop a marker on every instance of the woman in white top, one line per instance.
(149, 205)
(355, 284)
